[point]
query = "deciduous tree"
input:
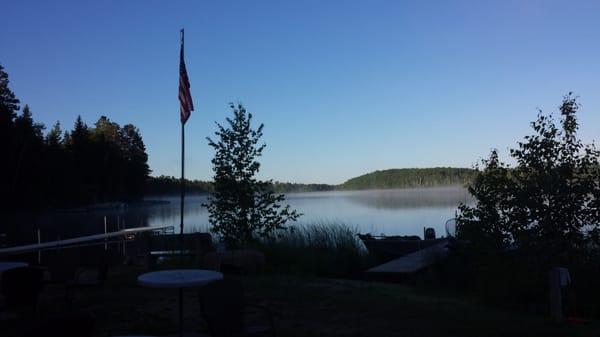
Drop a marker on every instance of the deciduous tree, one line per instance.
(241, 207)
(547, 203)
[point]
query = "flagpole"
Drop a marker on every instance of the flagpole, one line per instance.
(182, 167)
(185, 108)
(182, 178)
(181, 245)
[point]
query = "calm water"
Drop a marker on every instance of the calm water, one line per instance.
(403, 212)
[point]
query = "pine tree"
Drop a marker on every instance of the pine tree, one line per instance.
(54, 136)
(80, 134)
(9, 104)
(67, 138)
(26, 127)
(29, 144)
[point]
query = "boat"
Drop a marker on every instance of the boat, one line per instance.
(386, 248)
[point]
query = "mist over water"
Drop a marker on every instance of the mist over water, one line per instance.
(390, 212)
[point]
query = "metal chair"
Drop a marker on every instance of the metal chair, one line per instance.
(77, 272)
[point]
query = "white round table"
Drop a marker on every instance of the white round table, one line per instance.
(4, 266)
(179, 278)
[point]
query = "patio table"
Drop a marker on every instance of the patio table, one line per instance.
(4, 266)
(179, 278)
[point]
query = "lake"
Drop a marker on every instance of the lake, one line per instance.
(390, 212)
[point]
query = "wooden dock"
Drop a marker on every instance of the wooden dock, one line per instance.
(413, 262)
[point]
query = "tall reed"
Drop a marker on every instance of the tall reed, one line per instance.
(324, 249)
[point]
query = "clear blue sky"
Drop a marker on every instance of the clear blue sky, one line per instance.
(343, 87)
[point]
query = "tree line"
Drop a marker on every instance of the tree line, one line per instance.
(410, 177)
(87, 164)
(163, 185)
(392, 178)
(285, 187)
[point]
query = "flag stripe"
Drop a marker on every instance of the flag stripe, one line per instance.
(186, 106)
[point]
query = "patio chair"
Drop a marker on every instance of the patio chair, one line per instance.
(94, 269)
(70, 270)
(222, 305)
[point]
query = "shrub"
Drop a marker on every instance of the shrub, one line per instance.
(541, 213)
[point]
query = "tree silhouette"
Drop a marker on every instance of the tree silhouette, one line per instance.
(28, 143)
(548, 203)
(9, 105)
(54, 136)
(136, 159)
(99, 164)
(241, 207)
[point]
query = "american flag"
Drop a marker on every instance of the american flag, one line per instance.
(186, 106)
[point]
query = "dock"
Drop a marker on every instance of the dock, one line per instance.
(414, 262)
(123, 234)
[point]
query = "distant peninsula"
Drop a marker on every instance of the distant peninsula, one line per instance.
(410, 177)
(381, 179)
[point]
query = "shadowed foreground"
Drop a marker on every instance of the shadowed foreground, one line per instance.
(308, 307)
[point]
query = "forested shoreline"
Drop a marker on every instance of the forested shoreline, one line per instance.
(108, 162)
(85, 165)
(385, 179)
(163, 185)
(169, 185)
(410, 177)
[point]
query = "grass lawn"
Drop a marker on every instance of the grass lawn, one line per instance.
(317, 307)
(309, 307)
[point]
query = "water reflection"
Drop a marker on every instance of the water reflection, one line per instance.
(392, 212)
(411, 198)
(196, 216)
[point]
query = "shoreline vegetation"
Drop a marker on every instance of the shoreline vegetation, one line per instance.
(380, 179)
(86, 165)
